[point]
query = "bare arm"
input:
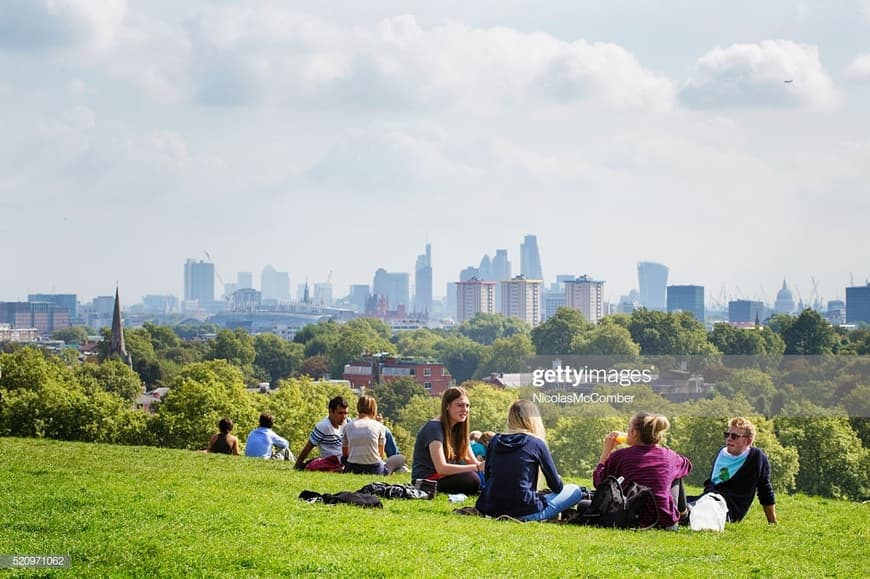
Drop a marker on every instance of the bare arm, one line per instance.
(303, 454)
(444, 468)
(770, 513)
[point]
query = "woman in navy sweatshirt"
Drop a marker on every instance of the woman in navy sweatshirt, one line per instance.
(513, 462)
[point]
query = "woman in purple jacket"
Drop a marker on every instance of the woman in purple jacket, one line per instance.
(647, 463)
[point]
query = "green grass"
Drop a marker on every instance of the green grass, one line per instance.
(147, 512)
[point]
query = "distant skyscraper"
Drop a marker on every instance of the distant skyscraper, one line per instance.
(501, 266)
(468, 273)
(485, 268)
(521, 298)
(745, 311)
(653, 282)
(784, 303)
(586, 295)
(501, 270)
(474, 297)
(530, 258)
(323, 294)
(394, 287)
(858, 304)
(245, 280)
(68, 302)
(274, 285)
(199, 281)
(687, 298)
(359, 295)
(423, 283)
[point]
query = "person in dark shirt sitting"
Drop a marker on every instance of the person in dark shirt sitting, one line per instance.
(740, 471)
(224, 442)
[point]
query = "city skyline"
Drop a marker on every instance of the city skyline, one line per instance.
(320, 139)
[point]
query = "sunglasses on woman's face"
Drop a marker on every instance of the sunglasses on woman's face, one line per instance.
(732, 435)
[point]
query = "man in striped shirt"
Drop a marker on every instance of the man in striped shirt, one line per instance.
(326, 435)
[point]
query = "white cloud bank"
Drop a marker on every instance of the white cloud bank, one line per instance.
(771, 73)
(35, 25)
(859, 68)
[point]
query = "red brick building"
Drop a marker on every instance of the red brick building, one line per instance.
(432, 376)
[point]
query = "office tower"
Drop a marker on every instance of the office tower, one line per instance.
(784, 303)
(274, 285)
(687, 298)
(450, 298)
(745, 312)
(423, 283)
(199, 281)
(359, 295)
(653, 282)
(587, 296)
(553, 300)
(323, 294)
(66, 302)
(245, 280)
(46, 317)
(394, 287)
(530, 258)
(474, 297)
(858, 304)
(628, 303)
(157, 304)
(485, 268)
(521, 298)
(501, 270)
(468, 273)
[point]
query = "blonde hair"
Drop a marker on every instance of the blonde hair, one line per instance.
(367, 405)
(650, 428)
(524, 416)
(456, 438)
(745, 425)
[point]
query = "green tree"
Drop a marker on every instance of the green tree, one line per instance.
(421, 343)
(110, 376)
(735, 341)
(833, 463)
(392, 395)
(276, 356)
(489, 406)
(234, 346)
(357, 338)
(461, 355)
(418, 410)
(72, 335)
(807, 334)
(555, 336)
(487, 328)
(608, 338)
(576, 439)
(315, 367)
(668, 334)
(200, 396)
(506, 355)
(162, 337)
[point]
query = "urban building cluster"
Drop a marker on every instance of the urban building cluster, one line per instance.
(407, 302)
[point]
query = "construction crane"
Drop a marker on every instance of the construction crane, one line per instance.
(817, 299)
(220, 279)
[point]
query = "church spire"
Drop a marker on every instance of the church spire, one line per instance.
(116, 341)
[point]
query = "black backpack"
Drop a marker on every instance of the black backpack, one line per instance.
(613, 506)
(342, 498)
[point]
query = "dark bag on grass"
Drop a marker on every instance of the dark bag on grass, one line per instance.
(343, 498)
(613, 506)
(393, 491)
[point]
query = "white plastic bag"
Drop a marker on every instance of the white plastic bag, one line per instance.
(709, 513)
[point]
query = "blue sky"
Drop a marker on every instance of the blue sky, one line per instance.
(134, 135)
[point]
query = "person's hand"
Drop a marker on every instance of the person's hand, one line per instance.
(610, 441)
(379, 417)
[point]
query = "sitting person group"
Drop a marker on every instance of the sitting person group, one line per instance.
(512, 469)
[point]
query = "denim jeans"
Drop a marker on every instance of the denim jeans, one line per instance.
(556, 503)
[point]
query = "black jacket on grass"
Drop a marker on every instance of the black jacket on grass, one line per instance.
(751, 478)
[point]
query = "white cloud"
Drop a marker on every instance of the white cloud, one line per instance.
(859, 68)
(772, 73)
(32, 25)
(254, 53)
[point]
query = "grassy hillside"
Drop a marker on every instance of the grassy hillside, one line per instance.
(138, 511)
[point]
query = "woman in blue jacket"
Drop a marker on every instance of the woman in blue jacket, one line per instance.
(514, 460)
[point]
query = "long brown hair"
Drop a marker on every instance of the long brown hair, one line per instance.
(456, 438)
